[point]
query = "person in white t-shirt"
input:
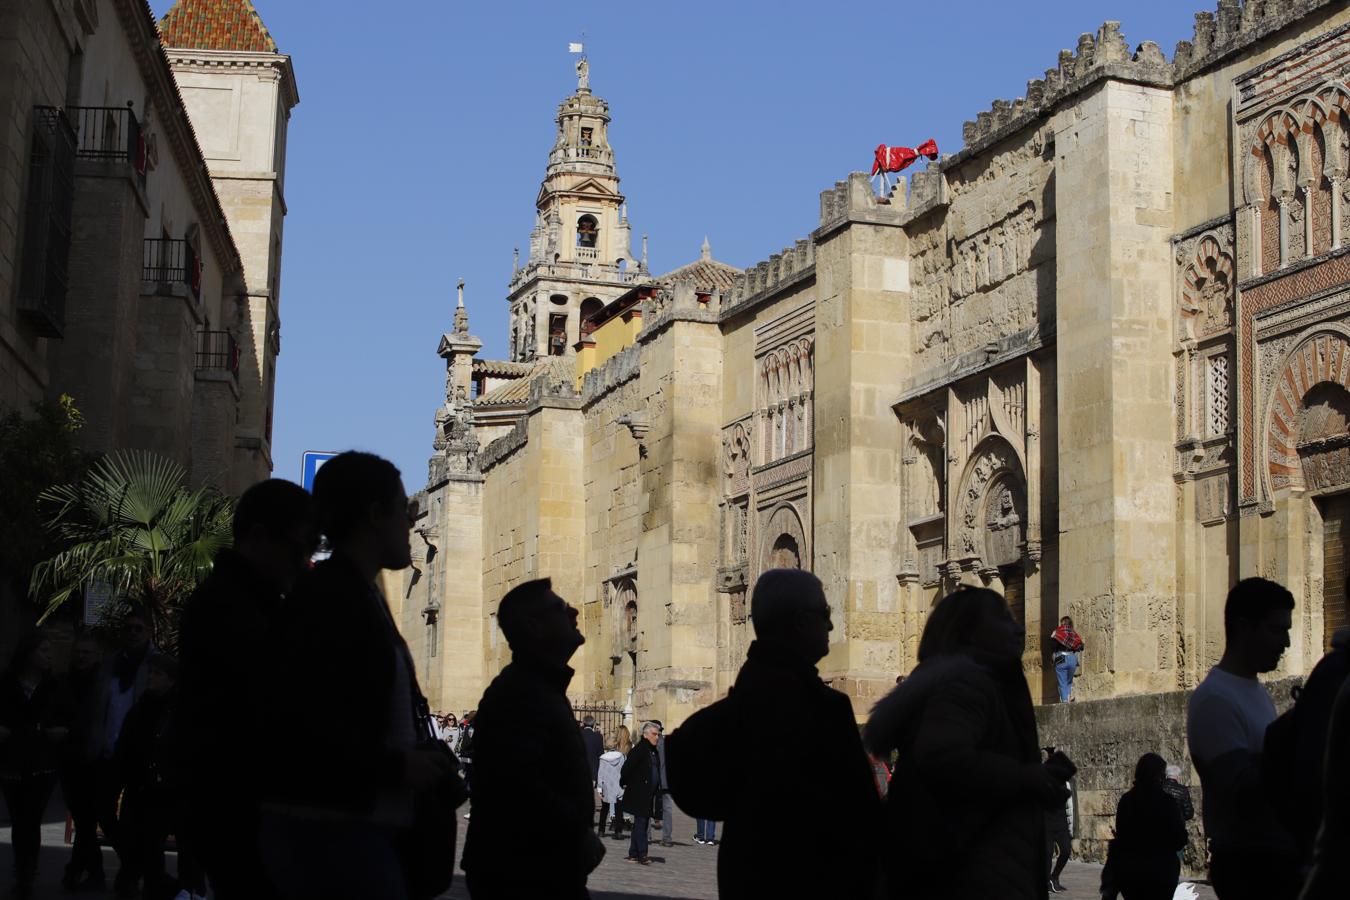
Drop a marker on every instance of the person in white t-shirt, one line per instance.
(1251, 854)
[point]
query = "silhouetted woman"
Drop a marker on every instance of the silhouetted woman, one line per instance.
(1149, 835)
(966, 807)
(33, 726)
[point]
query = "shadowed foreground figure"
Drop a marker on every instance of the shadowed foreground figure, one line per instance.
(966, 807)
(341, 816)
(1150, 834)
(802, 816)
(227, 631)
(533, 803)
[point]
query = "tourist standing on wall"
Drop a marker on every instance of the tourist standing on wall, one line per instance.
(337, 813)
(543, 780)
(609, 788)
(969, 785)
(1145, 855)
(227, 633)
(1067, 644)
(802, 818)
(641, 783)
(33, 727)
(1252, 855)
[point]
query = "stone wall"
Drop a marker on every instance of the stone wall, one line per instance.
(1105, 738)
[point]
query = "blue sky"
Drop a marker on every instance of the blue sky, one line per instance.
(423, 127)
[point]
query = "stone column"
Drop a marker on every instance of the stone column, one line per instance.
(861, 356)
(1114, 284)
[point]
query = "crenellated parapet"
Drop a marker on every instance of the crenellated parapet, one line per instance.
(680, 302)
(780, 268)
(618, 370)
(1105, 54)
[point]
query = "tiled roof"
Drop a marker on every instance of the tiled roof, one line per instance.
(707, 274)
(501, 368)
(215, 25)
(558, 369)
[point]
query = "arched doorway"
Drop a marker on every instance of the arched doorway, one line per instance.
(785, 545)
(785, 553)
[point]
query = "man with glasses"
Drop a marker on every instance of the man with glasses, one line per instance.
(338, 816)
(226, 635)
(530, 763)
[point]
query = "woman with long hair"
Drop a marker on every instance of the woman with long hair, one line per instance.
(969, 787)
(1150, 834)
(33, 726)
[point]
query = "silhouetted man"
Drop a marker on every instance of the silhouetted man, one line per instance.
(227, 633)
(1251, 854)
(340, 807)
(595, 745)
(803, 817)
(530, 763)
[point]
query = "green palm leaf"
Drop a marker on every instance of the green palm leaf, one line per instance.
(131, 522)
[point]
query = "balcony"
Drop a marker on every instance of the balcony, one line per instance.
(110, 134)
(172, 261)
(587, 254)
(217, 351)
(47, 224)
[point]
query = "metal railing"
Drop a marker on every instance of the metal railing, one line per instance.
(47, 223)
(607, 717)
(217, 351)
(110, 133)
(172, 261)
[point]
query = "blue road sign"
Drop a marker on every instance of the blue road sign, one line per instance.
(309, 466)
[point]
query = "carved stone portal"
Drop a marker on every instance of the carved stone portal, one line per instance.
(991, 526)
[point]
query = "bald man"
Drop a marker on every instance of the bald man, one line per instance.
(802, 814)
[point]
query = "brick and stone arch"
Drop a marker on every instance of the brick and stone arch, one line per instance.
(625, 601)
(1307, 442)
(785, 543)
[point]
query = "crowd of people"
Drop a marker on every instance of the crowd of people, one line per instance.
(947, 792)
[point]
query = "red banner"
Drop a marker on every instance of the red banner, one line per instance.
(897, 159)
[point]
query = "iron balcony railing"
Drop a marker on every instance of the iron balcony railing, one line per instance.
(111, 133)
(172, 261)
(47, 223)
(217, 351)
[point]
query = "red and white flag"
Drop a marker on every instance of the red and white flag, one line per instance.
(897, 159)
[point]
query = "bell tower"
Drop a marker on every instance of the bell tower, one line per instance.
(580, 254)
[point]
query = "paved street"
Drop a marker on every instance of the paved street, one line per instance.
(686, 871)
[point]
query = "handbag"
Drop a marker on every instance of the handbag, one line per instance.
(427, 849)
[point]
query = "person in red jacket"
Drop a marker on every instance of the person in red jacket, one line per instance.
(1067, 645)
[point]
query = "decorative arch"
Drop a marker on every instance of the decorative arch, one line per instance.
(991, 511)
(1207, 289)
(588, 231)
(784, 536)
(1307, 444)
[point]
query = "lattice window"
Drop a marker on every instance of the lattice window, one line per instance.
(1217, 392)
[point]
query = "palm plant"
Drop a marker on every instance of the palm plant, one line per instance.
(131, 523)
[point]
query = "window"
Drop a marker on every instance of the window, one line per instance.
(588, 232)
(590, 307)
(557, 334)
(47, 223)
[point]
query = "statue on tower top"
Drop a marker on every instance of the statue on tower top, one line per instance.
(583, 67)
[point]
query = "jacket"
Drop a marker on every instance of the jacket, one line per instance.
(145, 759)
(640, 784)
(1149, 833)
(607, 783)
(337, 640)
(529, 764)
(228, 631)
(773, 799)
(28, 750)
(595, 745)
(968, 783)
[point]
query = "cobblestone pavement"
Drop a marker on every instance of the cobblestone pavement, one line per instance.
(686, 871)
